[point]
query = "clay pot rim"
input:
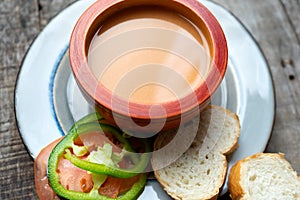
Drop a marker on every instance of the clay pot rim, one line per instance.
(85, 29)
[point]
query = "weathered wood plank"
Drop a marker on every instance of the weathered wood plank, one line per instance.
(48, 9)
(18, 27)
(19, 24)
(292, 10)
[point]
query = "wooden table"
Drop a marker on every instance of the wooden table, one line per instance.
(275, 24)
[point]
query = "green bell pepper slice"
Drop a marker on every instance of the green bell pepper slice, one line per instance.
(88, 124)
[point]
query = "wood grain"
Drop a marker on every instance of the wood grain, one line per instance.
(275, 24)
(50, 8)
(292, 10)
(18, 27)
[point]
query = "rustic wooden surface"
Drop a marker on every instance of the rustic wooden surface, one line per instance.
(275, 24)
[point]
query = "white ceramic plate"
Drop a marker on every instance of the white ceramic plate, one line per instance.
(47, 100)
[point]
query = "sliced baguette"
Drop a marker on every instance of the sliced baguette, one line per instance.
(264, 176)
(198, 173)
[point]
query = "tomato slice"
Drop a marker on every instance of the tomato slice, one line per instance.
(112, 187)
(74, 178)
(95, 139)
(43, 189)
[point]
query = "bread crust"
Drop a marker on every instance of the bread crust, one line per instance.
(213, 195)
(234, 185)
(235, 177)
(235, 145)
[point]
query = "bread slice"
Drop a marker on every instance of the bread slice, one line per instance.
(199, 172)
(264, 176)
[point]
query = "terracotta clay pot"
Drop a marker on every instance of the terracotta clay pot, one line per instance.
(167, 115)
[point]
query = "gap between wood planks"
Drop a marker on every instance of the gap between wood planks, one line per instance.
(290, 20)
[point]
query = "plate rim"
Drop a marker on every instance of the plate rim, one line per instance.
(21, 69)
(265, 59)
(59, 58)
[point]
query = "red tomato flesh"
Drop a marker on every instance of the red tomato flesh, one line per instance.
(74, 178)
